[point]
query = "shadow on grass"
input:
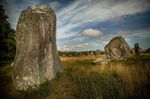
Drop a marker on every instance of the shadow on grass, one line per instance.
(76, 82)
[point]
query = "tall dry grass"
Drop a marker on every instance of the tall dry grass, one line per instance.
(126, 79)
(81, 80)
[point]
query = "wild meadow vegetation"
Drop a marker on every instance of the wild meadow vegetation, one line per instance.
(128, 79)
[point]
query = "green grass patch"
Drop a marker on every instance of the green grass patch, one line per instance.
(81, 80)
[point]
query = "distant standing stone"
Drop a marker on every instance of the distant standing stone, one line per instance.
(36, 58)
(118, 49)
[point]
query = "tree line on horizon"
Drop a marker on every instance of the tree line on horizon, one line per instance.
(8, 42)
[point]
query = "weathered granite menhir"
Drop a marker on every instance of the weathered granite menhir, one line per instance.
(36, 58)
(118, 49)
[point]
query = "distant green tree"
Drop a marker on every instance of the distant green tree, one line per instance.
(7, 37)
(137, 49)
(98, 52)
(147, 50)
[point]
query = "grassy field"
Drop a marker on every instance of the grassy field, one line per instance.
(128, 79)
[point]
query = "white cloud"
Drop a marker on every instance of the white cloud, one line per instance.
(143, 33)
(64, 31)
(128, 35)
(100, 11)
(65, 48)
(91, 32)
(81, 12)
(71, 18)
(84, 46)
(81, 45)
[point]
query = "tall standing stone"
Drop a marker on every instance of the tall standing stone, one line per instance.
(36, 58)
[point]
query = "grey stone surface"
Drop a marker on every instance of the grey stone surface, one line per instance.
(101, 61)
(36, 58)
(118, 49)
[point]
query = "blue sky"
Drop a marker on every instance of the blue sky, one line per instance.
(90, 24)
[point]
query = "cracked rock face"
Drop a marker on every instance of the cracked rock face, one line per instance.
(36, 58)
(118, 49)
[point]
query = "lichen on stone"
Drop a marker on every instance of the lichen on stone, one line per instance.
(39, 9)
(36, 53)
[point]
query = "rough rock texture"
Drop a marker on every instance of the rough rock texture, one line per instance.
(101, 61)
(36, 58)
(118, 49)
